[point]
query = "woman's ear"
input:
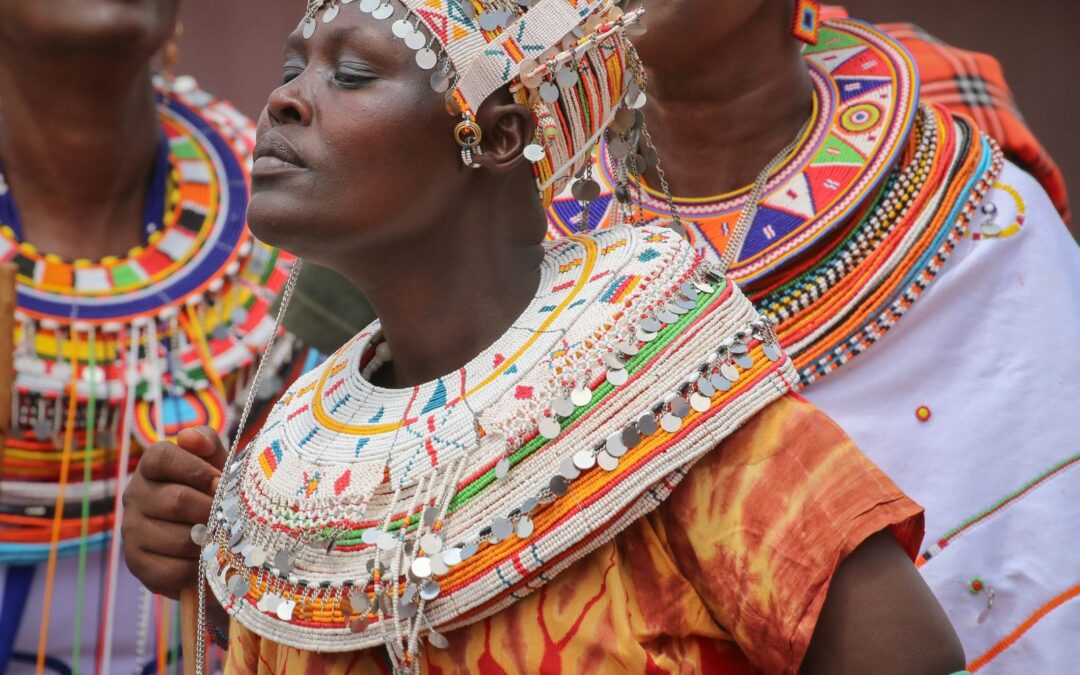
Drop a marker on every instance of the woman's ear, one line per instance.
(507, 129)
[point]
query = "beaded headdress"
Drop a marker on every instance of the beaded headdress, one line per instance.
(567, 60)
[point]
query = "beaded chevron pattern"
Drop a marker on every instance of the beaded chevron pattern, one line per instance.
(192, 304)
(856, 224)
(362, 516)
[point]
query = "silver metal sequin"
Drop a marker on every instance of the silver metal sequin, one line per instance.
(584, 460)
(607, 462)
(670, 423)
(549, 428)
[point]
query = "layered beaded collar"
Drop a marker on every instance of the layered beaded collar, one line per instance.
(855, 224)
(865, 99)
(363, 516)
(152, 341)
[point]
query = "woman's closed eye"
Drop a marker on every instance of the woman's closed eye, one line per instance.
(352, 76)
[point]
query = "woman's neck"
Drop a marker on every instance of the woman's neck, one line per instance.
(717, 125)
(444, 299)
(78, 149)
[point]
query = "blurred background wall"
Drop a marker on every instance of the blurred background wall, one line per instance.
(233, 47)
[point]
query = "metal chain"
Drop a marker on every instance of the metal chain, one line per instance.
(676, 218)
(746, 218)
(753, 201)
(249, 403)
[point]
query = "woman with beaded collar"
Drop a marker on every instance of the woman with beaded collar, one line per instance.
(904, 262)
(579, 455)
(142, 302)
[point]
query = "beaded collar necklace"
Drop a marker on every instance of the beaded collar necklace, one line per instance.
(362, 516)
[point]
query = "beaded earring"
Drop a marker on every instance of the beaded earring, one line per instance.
(468, 134)
(807, 21)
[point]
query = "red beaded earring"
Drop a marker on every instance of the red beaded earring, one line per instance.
(807, 21)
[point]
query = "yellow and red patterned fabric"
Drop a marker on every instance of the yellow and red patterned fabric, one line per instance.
(727, 576)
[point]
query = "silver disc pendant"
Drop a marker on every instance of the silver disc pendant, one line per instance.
(438, 640)
(719, 382)
(401, 28)
(308, 30)
(646, 424)
(439, 566)
(383, 12)
(421, 568)
(452, 556)
(676, 309)
(549, 93)
(614, 446)
(387, 541)
(359, 601)
(415, 41)
(488, 20)
(563, 406)
(679, 407)
(614, 361)
(700, 403)
(607, 462)
(568, 470)
(500, 529)
(502, 468)
(440, 82)
(644, 336)
(744, 361)
(584, 460)
(200, 534)
(666, 317)
(772, 351)
(670, 423)
(331, 13)
(559, 485)
(431, 514)
(285, 610)
(431, 543)
(705, 387)
(534, 152)
(630, 436)
(566, 77)
(650, 325)
(426, 58)
(627, 349)
(525, 527)
(730, 372)
(528, 506)
(430, 590)
(549, 428)
(369, 6)
(581, 396)
(617, 378)
(370, 536)
(704, 287)
(406, 610)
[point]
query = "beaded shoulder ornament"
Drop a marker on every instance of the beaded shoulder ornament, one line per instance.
(114, 354)
(362, 516)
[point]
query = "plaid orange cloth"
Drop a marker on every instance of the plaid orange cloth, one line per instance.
(973, 84)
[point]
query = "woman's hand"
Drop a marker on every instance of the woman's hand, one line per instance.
(171, 490)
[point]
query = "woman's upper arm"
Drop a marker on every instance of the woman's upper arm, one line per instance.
(879, 616)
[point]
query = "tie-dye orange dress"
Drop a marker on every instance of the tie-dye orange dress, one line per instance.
(727, 576)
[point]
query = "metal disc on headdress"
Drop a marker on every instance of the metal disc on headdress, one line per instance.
(383, 12)
(428, 59)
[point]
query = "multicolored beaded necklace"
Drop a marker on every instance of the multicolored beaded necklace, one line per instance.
(362, 516)
(854, 225)
(114, 354)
